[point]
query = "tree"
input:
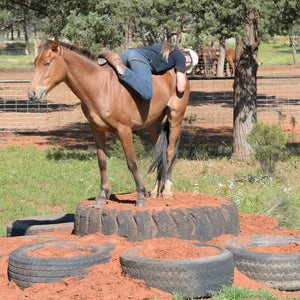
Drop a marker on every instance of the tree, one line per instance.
(224, 26)
(245, 81)
(163, 21)
(289, 22)
(257, 19)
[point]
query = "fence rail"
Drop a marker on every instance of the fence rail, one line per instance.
(210, 105)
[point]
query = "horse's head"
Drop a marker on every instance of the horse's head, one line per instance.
(50, 69)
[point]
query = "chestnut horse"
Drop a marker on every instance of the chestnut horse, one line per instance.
(111, 107)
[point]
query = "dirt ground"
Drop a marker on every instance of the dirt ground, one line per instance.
(107, 281)
(209, 111)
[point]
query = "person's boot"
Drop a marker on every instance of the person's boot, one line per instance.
(113, 59)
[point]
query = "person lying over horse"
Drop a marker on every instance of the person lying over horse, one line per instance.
(135, 66)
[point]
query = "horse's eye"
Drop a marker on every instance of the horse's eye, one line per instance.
(47, 64)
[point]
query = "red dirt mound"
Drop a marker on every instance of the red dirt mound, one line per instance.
(108, 282)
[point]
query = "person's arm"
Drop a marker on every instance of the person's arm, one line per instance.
(181, 81)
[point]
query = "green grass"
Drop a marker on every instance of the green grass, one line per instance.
(40, 182)
(16, 61)
(236, 293)
(276, 54)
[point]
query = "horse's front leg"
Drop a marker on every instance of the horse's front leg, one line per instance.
(125, 135)
(103, 196)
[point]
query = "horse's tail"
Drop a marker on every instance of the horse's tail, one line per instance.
(159, 161)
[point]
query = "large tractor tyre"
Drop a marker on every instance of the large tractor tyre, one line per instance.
(193, 223)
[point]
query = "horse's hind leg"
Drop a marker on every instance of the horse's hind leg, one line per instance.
(154, 131)
(125, 135)
(175, 126)
(99, 138)
(176, 114)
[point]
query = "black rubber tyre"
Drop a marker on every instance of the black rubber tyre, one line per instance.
(194, 223)
(39, 224)
(279, 271)
(188, 277)
(26, 270)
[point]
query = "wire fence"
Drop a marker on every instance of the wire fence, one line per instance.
(210, 105)
(61, 109)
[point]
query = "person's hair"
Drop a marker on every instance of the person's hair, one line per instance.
(166, 49)
(186, 52)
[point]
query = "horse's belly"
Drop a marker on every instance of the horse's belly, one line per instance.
(148, 113)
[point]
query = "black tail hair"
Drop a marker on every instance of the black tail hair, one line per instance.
(159, 161)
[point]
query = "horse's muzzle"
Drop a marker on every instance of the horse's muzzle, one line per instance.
(36, 95)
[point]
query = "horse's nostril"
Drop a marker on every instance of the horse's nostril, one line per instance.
(32, 95)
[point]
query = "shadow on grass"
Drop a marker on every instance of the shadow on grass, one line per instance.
(76, 142)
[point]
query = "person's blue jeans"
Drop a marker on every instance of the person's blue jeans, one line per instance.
(137, 73)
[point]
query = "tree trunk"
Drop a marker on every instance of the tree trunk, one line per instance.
(27, 45)
(245, 85)
(293, 45)
(179, 32)
(128, 35)
(12, 32)
(221, 59)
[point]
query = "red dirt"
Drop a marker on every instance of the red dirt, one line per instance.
(170, 248)
(108, 282)
(55, 252)
(290, 248)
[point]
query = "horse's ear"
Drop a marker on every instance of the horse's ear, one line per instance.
(37, 44)
(55, 45)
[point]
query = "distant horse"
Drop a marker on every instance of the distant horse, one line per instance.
(230, 59)
(111, 107)
(206, 61)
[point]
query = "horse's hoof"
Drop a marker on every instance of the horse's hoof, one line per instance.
(99, 203)
(141, 203)
(167, 196)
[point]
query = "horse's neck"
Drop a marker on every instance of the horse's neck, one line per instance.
(80, 74)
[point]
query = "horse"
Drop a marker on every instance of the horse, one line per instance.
(206, 61)
(111, 107)
(230, 59)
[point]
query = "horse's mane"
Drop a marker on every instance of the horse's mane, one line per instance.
(79, 50)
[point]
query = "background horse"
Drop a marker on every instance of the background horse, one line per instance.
(111, 107)
(206, 61)
(230, 59)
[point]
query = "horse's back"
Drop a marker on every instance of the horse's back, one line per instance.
(125, 106)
